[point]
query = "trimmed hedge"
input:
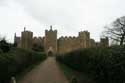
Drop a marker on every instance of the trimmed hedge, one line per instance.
(106, 65)
(17, 60)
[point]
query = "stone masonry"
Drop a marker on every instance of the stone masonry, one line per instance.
(61, 45)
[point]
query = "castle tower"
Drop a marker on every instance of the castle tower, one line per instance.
(26, 39)
(104, 42)
(50, 41)
(84, 38)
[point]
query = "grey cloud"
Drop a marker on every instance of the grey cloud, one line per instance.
(60, 12)
(68, 16)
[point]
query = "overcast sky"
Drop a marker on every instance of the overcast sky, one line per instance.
(67, 16)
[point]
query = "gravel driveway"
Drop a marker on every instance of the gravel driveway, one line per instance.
(47, 72)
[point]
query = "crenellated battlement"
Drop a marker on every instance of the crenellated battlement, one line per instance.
(38, 38)
(60, 45)
(84, 32)
(67, 38)
(50, 31)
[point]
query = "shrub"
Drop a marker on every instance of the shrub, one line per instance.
(17, 60)
(4, 46)
(103, 64)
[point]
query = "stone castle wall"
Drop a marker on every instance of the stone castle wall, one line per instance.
(68, 44)
(61, 45)
(92, 43)
(104, 42)
(38, 41)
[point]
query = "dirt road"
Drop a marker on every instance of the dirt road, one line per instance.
(47, 72)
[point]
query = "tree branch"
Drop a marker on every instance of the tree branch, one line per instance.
(115, 39)
(120, 23)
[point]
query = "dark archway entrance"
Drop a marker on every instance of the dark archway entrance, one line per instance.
(50, 53)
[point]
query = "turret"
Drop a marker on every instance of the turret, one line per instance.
(51, 27)
(15, 38)
(24, 29)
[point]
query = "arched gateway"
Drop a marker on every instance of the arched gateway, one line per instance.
(50, 52)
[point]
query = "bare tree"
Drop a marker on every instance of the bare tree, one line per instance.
(116, 30)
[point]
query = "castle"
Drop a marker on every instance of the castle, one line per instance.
(61, 45)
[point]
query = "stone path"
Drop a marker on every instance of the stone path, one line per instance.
(47, 72)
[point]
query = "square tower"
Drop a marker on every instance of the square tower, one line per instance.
(50, 41)
(26, 39)
(84, 38)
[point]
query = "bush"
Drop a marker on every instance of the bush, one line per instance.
(17, 60)
(4, 46)
(104, 64)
